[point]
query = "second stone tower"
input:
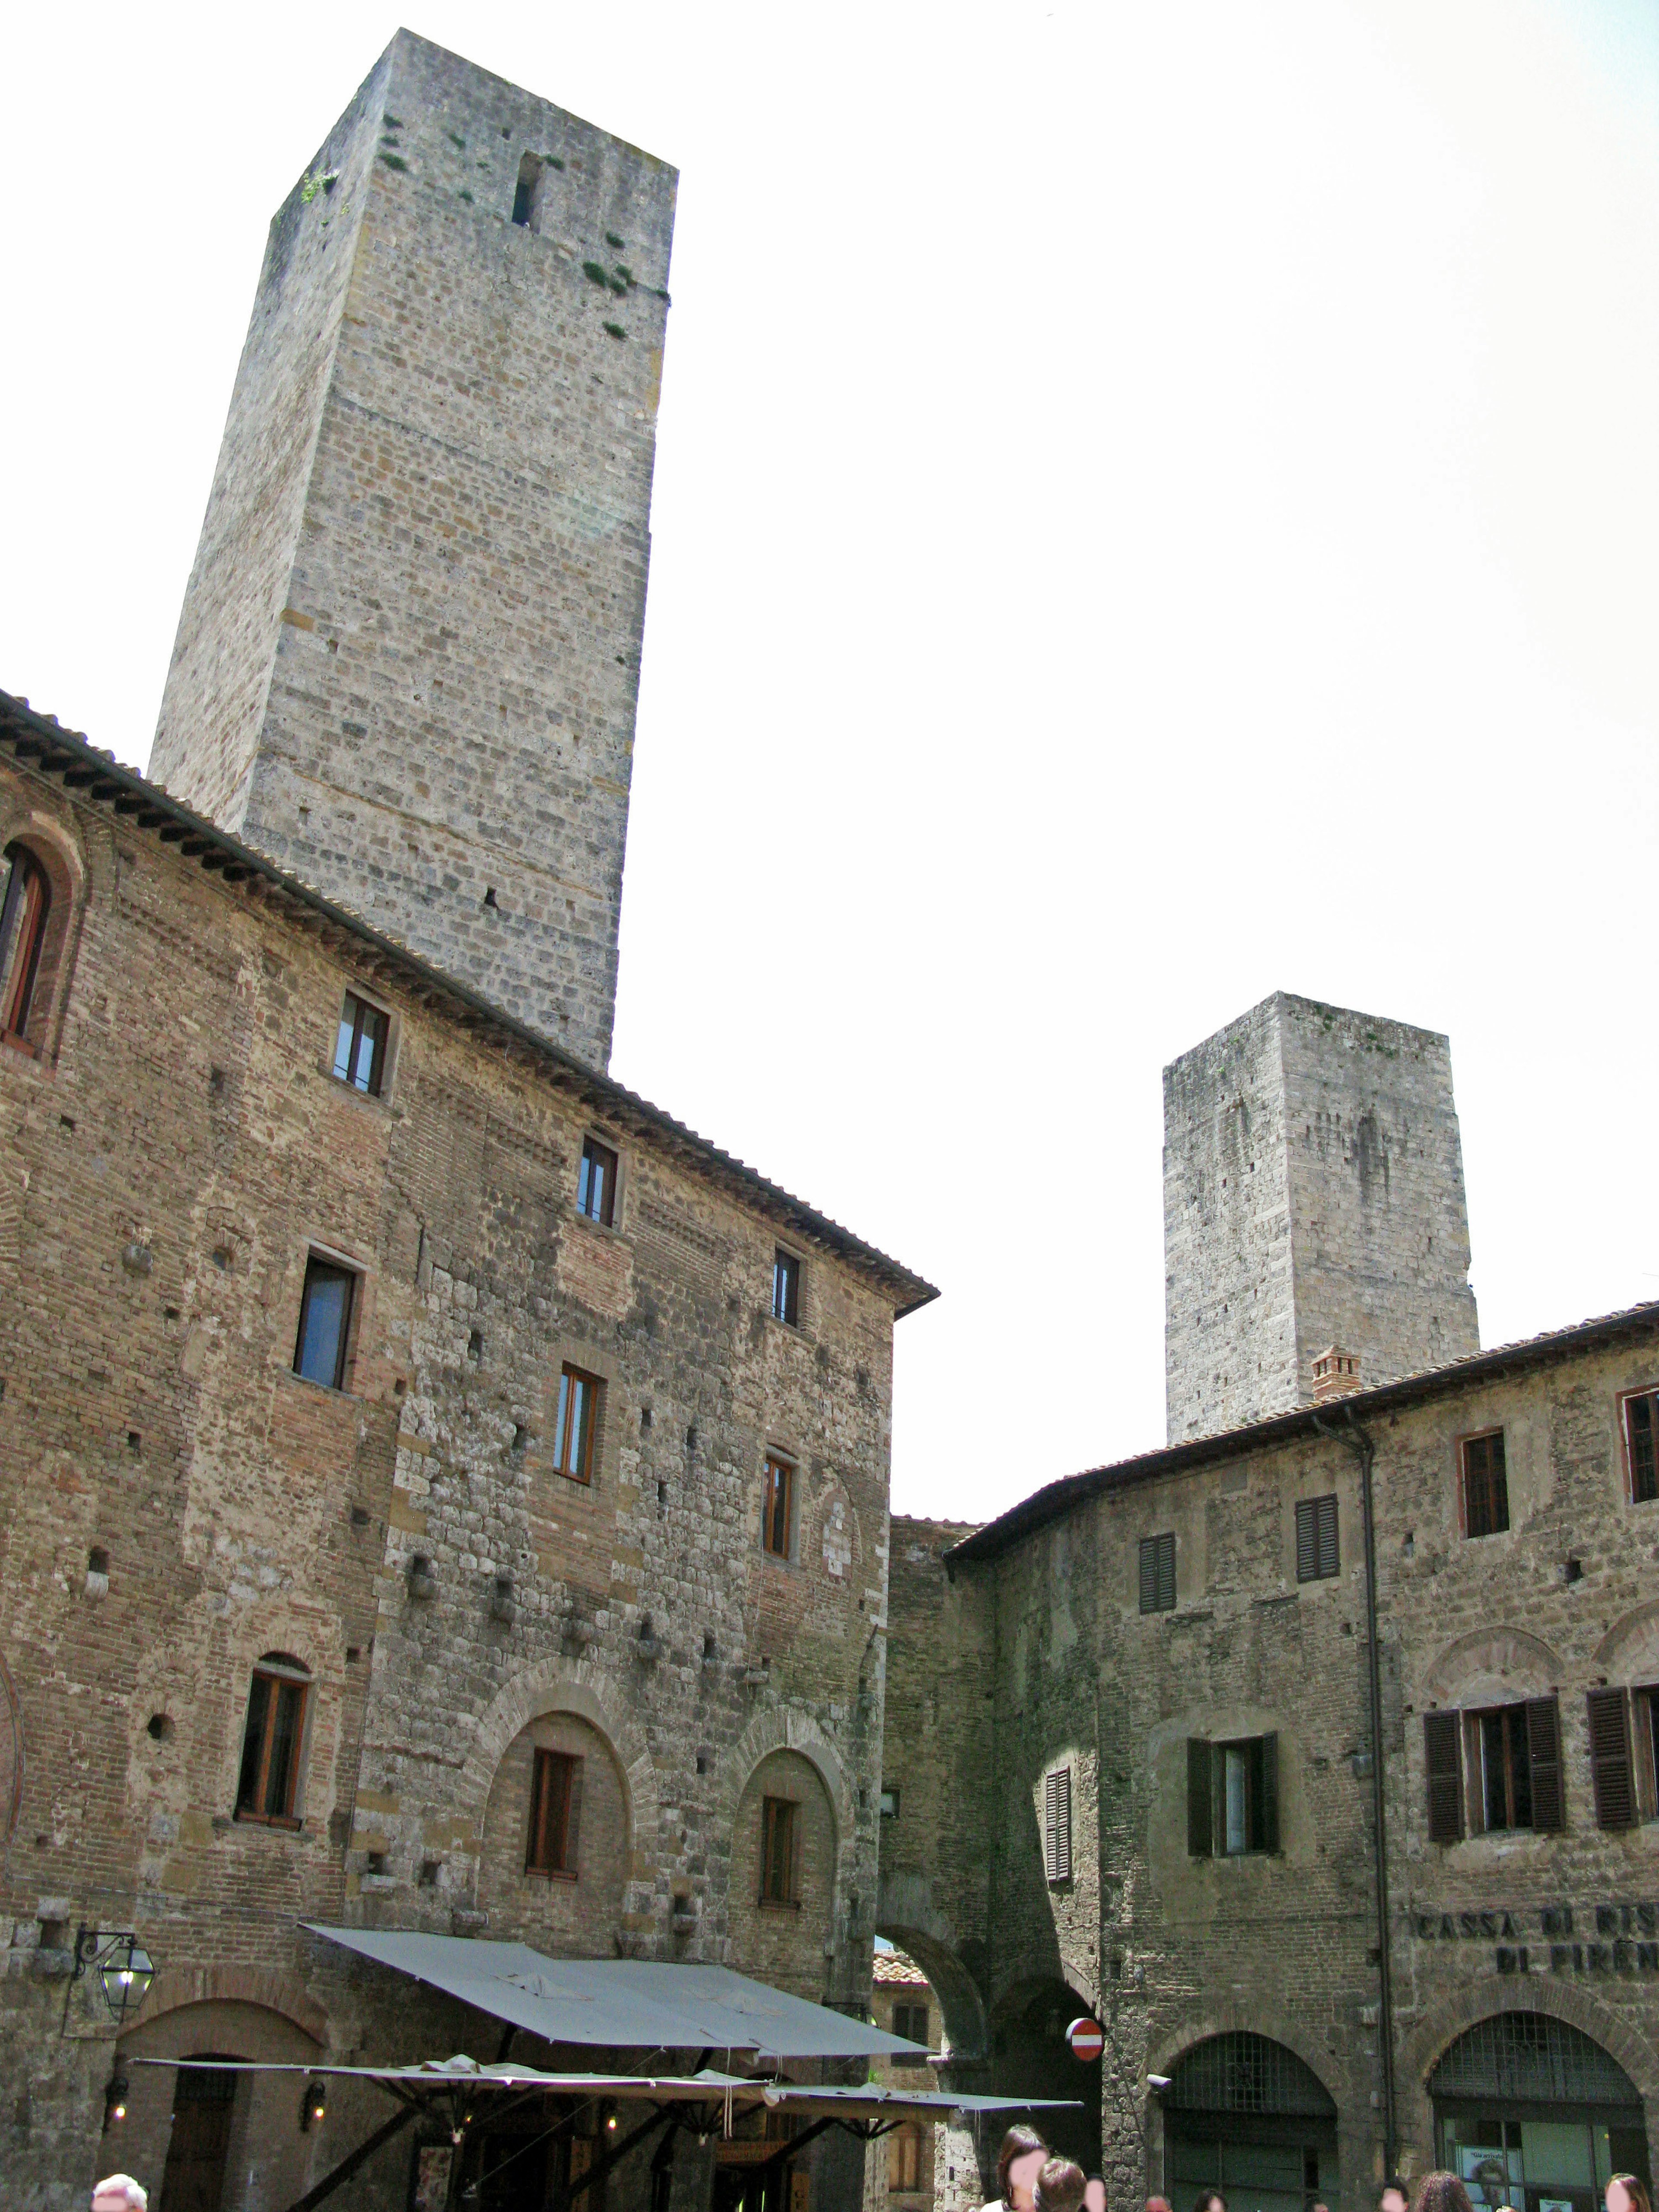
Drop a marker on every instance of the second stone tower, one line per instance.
(407, 662)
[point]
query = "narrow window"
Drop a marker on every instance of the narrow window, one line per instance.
(1444, 1761)
(1232, 1797)
(579, 1402)
(319, 1351)
(360, 1049)
(554, 1814)
(1486, 1485)
(904, 2150)
(1612, 1769)
(910, 2021)
(786, 1287)
(1316, 1559)
(778, 1506)
(1157, 1574)
(527, 193)
(1646, 1703)
(23, 911)
(778, 1882)
(1057, 1825)
(270, 1777)
(1642, 1428)
(596, 1183)
(1516, 1750)
(890, 1803)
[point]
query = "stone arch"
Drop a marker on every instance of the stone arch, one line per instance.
(778, 1730)
(959, 2000)
(1495, 1993)
(1491, 1665)
(1260, 2016)
(267, 1987)
(564, 1686)
(1629, 1652)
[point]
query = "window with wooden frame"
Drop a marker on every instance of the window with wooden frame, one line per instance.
(1613, 1766)
(325, 1336)
(556, 1809)
(575, 1424)
(596, 1183)
(1057, 1825)
(786, 1287)
(1158, 1573)
(780, 1870)
(910, 2021)
(1232, 1797)
(25, 908)
(1494, 1771)
(904, 2159)
(777, 1511)
(273, 1741)
(360, 1049)
(1486, 1485)
(1641, 1446)
(1316, 1556)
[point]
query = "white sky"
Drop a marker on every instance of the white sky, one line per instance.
(1155, 504)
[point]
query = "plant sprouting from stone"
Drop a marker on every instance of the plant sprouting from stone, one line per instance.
(317, 181)
(594, 272)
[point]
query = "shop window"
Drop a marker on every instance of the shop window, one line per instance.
(596, 1183)
(904, 2159)
(24, 910)
(1642, 1444)
(1057, 1825)
(778, 1508)
(1316, 1557)
(360, 1046)
(1486, 1485)
(272, 1741)
(556, 1805)
(786, 1287)
(780, 1882)
(1495, 1770)
(575, 1427)
(1158, 1573)
(1232, 1797)
(325, 1303)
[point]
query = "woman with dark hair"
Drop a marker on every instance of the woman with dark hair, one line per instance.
(1626, 2194)
(1019, 2164)
(1441, 2191)
(1212, 2200)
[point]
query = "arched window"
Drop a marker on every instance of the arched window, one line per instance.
(271, 1744)
(23, 911)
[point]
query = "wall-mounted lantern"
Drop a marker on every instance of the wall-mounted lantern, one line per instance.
(124, 1969)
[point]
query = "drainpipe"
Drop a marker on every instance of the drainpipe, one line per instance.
(1358, 1440)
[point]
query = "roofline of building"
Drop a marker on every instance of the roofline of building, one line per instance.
(1056, 1499)
(40, 743)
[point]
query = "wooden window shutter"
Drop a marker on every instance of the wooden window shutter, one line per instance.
(1270, 1793)
(797, 1853)
(1057, 1825)
(1306, 1541)
(571, 1862)
(1610, 1760)
(1544, 1749)
(1442, 1750)
(1200, 1841)
(1149, 1574)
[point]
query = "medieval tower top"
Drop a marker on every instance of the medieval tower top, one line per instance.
(408, 663)
(1313, 1213)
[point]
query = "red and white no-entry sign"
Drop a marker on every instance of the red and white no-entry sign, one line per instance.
(1085, 2038)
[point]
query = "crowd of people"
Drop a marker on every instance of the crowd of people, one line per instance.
(1030, 2179)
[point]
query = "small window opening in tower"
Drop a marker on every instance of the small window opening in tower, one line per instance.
(527, 197)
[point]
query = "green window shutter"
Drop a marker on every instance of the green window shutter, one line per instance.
(1610, 1760)
(1200, 1841)
(1544, 1749)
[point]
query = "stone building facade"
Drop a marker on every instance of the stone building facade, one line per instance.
(408, 657)
(1130, 1726)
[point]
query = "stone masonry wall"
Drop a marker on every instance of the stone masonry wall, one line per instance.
(178, 1501)
(408, 661)
(1313, 1194)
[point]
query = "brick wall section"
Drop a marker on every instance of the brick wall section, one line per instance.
(1184, 1947)
(407, 662)
(1313, 1194)
(161, 1179)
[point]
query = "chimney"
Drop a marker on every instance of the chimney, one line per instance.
(1335, 1375)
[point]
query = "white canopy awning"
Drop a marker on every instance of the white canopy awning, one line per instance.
(622, 2004)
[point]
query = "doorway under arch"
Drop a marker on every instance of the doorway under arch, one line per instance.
(1030, 2058)
(1531, 2112)
(1246, 2116)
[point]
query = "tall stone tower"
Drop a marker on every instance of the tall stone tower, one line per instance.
(1313, 1195)
(407, 662)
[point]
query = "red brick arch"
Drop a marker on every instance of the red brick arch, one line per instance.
(267, 1987)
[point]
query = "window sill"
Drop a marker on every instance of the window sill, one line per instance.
(343, 1394)
(18, 1044)
(779, 1903)
(790, 1327)
(552, 1874)
(586, 1221)
(381, 1100)
(287, 1824)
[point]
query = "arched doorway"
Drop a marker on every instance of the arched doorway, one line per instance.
(1248, 2117)
(1030, 2058)
(1530, 2111)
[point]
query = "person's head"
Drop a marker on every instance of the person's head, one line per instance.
(1019, 2164)
(1318, 2207)
(119, 2192)
(1157, 2204)
(1626, 2194)
(1060, 2186)
(1441, 2191)
(1210, 2200)
(1094, 2194)
(1395, 2198)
